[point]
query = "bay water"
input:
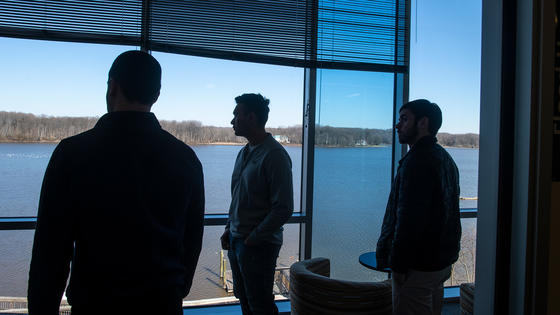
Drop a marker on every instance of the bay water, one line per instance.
(351, 187)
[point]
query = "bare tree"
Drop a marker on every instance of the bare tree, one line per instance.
(20, 127)
(464, 268)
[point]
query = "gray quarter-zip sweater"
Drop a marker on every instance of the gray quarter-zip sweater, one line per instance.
(262, 198)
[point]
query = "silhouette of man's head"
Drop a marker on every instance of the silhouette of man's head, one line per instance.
(256, 105)
(138, 76)
(424, 108)
(417, 119)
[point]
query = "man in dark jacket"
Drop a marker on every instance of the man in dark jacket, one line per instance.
(421, 232)
(124, 204)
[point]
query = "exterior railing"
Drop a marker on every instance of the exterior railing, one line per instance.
(281, 277)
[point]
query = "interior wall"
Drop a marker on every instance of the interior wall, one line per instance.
(522, 160)
(490, 99)
(554, 254)
(546, 256)
(554, 258)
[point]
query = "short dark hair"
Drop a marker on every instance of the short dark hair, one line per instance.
(255, 103)
(424, 108)
(139, 76)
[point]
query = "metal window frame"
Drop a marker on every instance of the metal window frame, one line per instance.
(29, 223)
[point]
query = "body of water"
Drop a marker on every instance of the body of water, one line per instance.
(351, 188)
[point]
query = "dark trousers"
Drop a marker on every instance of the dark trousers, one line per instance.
(419, 292)
(252, 268)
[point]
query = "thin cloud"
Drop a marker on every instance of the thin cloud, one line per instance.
(353, 95)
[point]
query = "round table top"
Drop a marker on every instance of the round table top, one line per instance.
(368, 260)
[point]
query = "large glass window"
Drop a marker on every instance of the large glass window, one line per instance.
(445, 46)
(56, 90)
(198, 99)
(352, 175)
(197, 103)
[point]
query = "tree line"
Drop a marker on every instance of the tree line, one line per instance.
(21, 127)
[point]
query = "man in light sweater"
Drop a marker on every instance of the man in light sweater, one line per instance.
(262, 202)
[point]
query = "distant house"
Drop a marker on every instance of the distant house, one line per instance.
(282, 138)
(361, 142)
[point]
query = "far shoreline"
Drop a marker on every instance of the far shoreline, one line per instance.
(236, 144)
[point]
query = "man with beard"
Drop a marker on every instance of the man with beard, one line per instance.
(261, 202)
(421, 232)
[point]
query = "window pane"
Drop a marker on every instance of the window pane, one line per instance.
(15, 250)
(69, 79)
(352, 167)
(445, 69)
(44, 78)
(464, 268)
(467, 163)
(218, 161)
(198, 99)
(22, 166)
(207, 283)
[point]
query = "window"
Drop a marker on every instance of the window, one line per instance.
(199, 92)
(445, 69)
(352, 140)
(198, 98)
(352, 176)
(52, 81)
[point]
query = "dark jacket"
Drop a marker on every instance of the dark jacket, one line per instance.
(124, 202)
(422, 228)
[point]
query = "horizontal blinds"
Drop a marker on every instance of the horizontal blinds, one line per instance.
(346, 34)
(362, 31)
(272, 31)
(114, 22)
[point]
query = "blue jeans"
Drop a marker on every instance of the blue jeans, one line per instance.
(252, 268)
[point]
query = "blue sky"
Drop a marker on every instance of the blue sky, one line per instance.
(355, 99)
(445, 59)
(69, 79)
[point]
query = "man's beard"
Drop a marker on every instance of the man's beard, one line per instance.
(409, 136)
